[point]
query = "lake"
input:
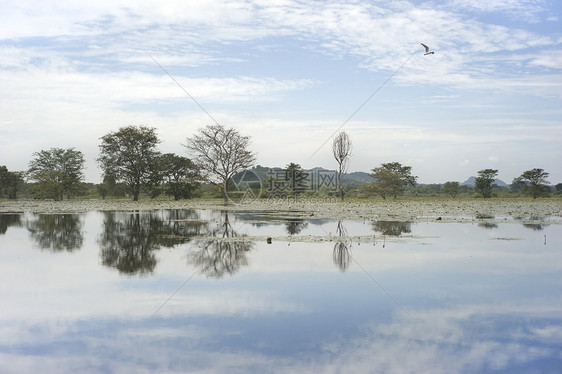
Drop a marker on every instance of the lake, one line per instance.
(200, 291)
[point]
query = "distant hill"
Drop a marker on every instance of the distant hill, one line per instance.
(355, 178)
(470, 182)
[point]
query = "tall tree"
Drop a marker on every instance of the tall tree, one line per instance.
(130, 155)
(391, 179)
(181, 176)
(10, 182)
(221, 153)
(58, 172)
(341, 148)
(296, 179)
(533, 182)
(485, 182)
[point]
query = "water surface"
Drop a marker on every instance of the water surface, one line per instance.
(203, 291)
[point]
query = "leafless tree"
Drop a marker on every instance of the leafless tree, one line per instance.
(221, 153)
(342, 253)
(341, 148)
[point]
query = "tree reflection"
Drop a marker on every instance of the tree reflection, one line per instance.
(225, 254)
(128, 240)
(8, 220)
(341, 254)
(392, 228)
(535, 226)
(295, 225)
(56, 232)
(488, 225)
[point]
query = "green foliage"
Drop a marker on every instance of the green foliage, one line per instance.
(391, 179)
(57, 172)
(484, 182)
(181, 176)
(533, 183)
(11, 182)
(451, 189)
(296, 179)
(130, 156)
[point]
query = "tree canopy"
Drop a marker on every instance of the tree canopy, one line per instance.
(58, 172)
(485, 181)
(10, 183)
(451, 188)
(130, 155)
(391, 179)
(533, 182)
(221, 153)
(181, 176)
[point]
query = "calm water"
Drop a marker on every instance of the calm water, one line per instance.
(124, 292)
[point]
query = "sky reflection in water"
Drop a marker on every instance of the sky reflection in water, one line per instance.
(151, 292)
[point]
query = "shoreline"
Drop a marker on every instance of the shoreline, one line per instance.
(499, 210)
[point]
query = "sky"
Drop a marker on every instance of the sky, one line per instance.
(291, 74)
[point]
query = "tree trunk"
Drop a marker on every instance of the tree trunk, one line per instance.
(224, 192)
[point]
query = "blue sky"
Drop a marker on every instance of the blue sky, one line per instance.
(288, 73)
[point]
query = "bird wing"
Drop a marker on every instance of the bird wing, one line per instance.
(426, 47)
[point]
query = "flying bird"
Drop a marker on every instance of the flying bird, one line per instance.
(427, 50)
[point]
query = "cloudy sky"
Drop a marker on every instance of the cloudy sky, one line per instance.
(289, 73)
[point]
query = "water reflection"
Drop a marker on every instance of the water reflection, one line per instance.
(8, 220)
(295, 225)
(488, 225)
(535, 226)
(392, 228)
(223, 252)
(128, 240)
(56, 232)
(341, 253)
(476, 305)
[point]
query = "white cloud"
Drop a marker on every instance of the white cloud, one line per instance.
(528, 10)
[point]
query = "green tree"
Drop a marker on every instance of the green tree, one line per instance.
(10, 183)
(181, 176)
(130, 156)
(58, 172)
(485, 182)
(296, 179)
(221, 153)
(533, 182)
(451, 189)
(391, 179)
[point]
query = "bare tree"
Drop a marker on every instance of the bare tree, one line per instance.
(341, 148)
(222, 153)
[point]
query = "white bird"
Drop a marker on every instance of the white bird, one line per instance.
(427, 50)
